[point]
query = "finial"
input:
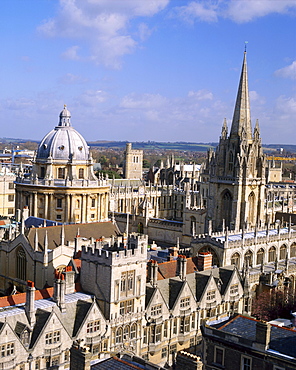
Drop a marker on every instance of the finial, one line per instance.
(246, 46)
(65, 105)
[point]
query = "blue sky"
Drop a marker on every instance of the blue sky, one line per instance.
(138, 70)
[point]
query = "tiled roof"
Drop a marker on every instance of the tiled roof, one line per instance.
(169, 269)
(282, 340)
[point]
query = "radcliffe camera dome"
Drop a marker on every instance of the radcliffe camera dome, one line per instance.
(63, 142)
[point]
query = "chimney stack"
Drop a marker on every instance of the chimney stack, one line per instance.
(69, 280)
(30, 303)
(204, 261)
(262, 335)
(182, 261)
(153, 271)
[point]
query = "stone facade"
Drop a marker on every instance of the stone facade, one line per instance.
(133, 163)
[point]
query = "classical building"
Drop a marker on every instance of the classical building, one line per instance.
(7, 193)
(62, 185)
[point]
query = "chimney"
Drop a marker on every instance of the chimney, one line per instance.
(69, 280)
(204, 261)
(80, 357)
(30, 300)
(182, 261)
(262, 335)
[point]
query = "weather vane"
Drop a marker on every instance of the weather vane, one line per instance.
(246, 45)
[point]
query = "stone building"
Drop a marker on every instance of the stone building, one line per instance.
(133, 163)
(62, 185)
(7, 192)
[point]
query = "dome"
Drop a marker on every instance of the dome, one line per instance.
(63, 142)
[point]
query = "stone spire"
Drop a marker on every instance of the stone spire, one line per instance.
(241, 123)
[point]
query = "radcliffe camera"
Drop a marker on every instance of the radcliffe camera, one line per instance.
(148, 185)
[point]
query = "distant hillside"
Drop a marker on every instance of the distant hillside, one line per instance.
(155, 145)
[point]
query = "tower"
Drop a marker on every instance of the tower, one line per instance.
(236, 168)
(62, 185)
(133, 163)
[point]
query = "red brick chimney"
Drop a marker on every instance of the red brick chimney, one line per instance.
(204, 261)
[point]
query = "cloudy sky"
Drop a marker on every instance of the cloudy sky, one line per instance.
(139, 70)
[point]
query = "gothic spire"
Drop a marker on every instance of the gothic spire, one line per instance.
(242, 117)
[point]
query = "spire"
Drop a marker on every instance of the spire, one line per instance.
(242, 117)
(224, 129)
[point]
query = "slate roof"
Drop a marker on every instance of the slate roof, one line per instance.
(126, 362)
(282, 340)
(90, 230)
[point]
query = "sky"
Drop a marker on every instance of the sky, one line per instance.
(140, 70)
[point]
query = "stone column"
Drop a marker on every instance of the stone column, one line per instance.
(46, 205)
(67, 208)
(83, 208)
(50, 205)
(99, 207)
(71, 216)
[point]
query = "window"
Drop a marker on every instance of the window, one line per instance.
(192, 342)
(55, 361)
(173, 348)
(158, 333)
(59, 203)
(7, 349)
(145, 336)
(53, 337)
(175, 326)
(234, 289)
(61, 173)
(25, 337)
(11, 185)
(66, 355)
(123, 282)
(10, 211)
(271, 254)
(126, 307)
(187, 324)
(126, 333)
(81, 173)
(21, 264)
(93, 202)
(130, 280)
(118, 336)
(156, 310)
(93, 326)
(185, 302)
(165, 330)
(246, 363)
(219, 356)
(211, 294)
(133, 331)
(283, 252)
(96, 349)
(10, 197)
(164, 352)
(58, 217)
(92, 215)
(193, 321)
(37, 365)
(42, 172)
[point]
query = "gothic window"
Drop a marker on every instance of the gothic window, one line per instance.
(21, 265)
(249, 258)
(227, 207)
(130, 280)
(126, 332)
(235, 260)
(260, 257)
(230, 162)
(133, 331)
(61, 173)
(283, 252)
(192, 225)
(271, 254)
(123, 282)
(118, 336)
(293, 250)
(252, 208)
(81, 173)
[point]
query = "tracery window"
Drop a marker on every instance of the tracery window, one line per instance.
(21, 265)
(271, 254)
(283, 252)
(235, 260)
(260, 256)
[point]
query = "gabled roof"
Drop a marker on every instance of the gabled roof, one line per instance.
(82, 310)
(42, 318)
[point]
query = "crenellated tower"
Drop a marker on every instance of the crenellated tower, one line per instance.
(236, 168)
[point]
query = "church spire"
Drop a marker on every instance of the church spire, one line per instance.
(241, 123)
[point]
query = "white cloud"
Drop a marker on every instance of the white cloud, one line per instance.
(201, 95)
(71, 53)
(92, 98)
(239, 11)
(103, 25)
(70, 79)
(286, 107)
(287, 72)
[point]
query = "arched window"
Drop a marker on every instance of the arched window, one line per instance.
(227, 207)
(126, 332)
(271, 254)
(260, 256)
(235, 260)
(118, 335)
(133, 331)
(21, 265)
(192, 225)
(283, 252)
(293, 250)
(252, 208)
(249, 258)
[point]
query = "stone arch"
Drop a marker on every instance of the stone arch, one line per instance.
(283, 252)
(215, 258)
(260, 256)
(226, 207)
(293, 250)
(252, 208)
(236, 259)
(248, 258)
(21, 264)
(271, 254)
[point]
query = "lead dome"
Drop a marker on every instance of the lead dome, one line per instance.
(63, 142)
